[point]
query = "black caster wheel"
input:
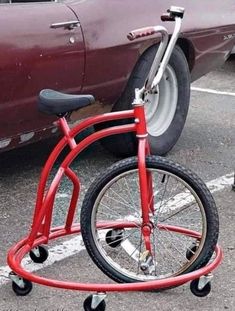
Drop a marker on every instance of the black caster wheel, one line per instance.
(191, 250)
(22, 291)
(114, 238)
(41, 256)
(233, 185)
(200, 292)
(87, 305)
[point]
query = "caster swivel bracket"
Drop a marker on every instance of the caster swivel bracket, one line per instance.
(16, 279)
(96, 299)
(203, 280)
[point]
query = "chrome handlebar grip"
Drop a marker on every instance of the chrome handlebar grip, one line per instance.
(142, 32)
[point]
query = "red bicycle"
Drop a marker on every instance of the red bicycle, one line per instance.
(147, 222)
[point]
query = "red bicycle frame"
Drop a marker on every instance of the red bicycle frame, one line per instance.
(45, 201)
(42, 232)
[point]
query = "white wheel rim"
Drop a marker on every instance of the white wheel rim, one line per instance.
(160, 108)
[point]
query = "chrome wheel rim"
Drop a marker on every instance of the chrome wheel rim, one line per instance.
(172, 258)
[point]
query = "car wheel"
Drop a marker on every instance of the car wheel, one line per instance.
(166, 111)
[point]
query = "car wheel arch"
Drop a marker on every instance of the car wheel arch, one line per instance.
(188, 50)
(164, 127)
(184, 44)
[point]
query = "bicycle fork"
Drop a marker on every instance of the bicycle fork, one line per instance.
(145, 183)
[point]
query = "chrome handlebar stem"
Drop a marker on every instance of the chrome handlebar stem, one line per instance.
(164, 51)
(158, 57)
(168, 51)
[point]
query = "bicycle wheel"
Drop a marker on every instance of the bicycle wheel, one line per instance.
(111, 222)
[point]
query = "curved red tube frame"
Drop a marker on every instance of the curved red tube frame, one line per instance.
(41, 231)
(17, 253)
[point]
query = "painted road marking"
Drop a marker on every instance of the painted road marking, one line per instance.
(182, 199)
(75, 245)
(211, 91)
(57, 253)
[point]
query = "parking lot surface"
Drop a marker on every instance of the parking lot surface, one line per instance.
(207, 146)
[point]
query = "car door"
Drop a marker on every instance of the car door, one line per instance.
(41, 46)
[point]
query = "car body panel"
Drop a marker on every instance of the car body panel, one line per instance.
(35, 57)
(101, 59)
(107, 41)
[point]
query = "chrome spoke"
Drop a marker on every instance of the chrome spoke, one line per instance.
(120, 202)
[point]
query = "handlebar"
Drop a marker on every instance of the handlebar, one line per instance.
(167, 18)
(165, 49)
(142, 32)
(172, 13)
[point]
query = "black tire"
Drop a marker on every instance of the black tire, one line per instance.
(200, 292)
(98, 197)
(22, 291)
(43, 254)
(113, 238)
(125, 144)
(87, 305)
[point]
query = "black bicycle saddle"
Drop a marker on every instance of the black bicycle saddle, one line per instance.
(56, 103)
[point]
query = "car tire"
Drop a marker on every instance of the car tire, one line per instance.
(166, 111)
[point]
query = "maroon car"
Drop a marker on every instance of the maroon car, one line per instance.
(82, 47)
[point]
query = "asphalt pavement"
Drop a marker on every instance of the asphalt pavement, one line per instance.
(207, 146)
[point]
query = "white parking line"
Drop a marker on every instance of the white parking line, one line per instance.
(57, 253)
(198, 89)
(75, 245)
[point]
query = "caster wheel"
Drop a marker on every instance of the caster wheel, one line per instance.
(41, 254)
(191, 251)
(114, 238)
(200, 292)
(22, 291)
(87, 305)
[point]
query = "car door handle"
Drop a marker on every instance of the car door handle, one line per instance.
(67, 25)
